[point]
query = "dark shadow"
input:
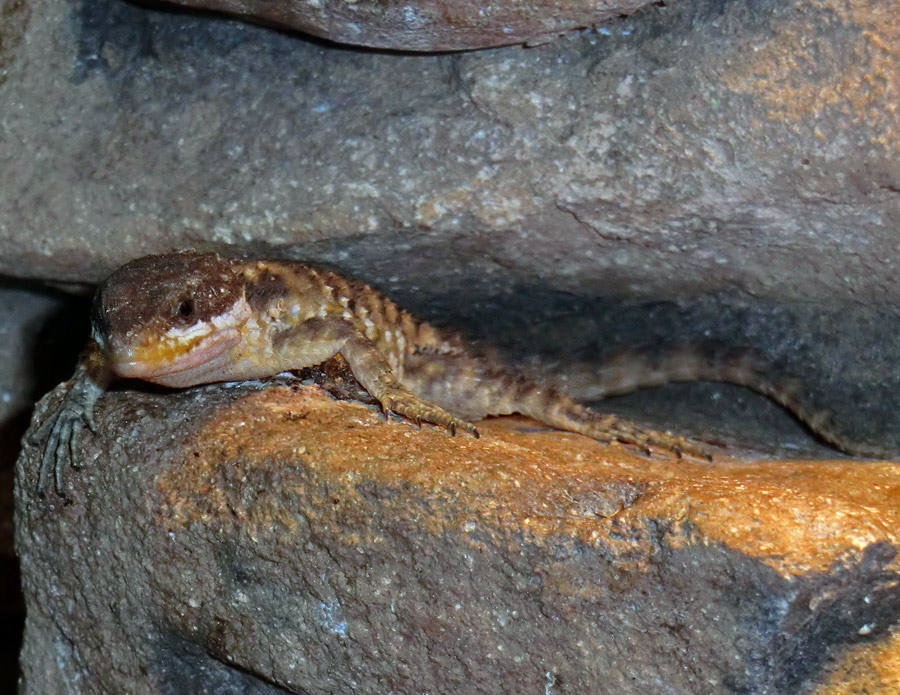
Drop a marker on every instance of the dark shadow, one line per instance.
(52, 346)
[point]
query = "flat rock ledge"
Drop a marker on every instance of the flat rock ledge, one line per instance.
(266, 538)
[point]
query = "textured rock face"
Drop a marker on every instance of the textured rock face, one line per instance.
(285, 542)
(21, 313)
(36, 326)
(697, 147)
(427, 25)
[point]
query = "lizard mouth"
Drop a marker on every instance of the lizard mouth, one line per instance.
(164, 361)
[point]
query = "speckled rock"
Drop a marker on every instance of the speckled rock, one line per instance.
(696, 146)
(427, 25)
(270, 539)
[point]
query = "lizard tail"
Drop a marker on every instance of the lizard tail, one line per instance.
(629, 371)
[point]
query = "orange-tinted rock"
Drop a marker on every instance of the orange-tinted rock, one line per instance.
(244, 537)
(427, 25)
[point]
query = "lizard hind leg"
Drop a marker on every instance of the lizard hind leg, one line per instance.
(610, 427)
(559, 410)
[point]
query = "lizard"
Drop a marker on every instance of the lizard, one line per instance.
(190, 318)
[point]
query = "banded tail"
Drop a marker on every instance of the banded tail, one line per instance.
(630, 371)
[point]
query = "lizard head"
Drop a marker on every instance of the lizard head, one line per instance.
(169, 318)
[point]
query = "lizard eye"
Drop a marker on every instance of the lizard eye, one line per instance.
(185, 308)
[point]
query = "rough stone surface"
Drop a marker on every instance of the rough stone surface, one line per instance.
(269, 539)
(427, 25)
(745, 146)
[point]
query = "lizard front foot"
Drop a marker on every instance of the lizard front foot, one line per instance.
(61, 433)
(410, 406)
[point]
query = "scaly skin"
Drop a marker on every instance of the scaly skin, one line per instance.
(189, 318)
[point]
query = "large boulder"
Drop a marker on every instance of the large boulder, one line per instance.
(270, 539)
(699, 146)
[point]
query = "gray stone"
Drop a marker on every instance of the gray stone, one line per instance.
(724, 161)
(683, 152)
(32, 325)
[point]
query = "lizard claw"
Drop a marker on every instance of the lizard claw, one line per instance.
(609, 428)
(61, 433)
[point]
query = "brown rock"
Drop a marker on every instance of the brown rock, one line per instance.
(427, 25)
(269, 539)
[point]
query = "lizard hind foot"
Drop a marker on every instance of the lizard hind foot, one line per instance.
(646, 440)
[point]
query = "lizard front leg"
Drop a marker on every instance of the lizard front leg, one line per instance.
(60, 434)
(318, 339)
(372, 370)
